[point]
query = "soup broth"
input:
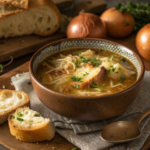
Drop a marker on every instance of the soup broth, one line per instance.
(86, 72)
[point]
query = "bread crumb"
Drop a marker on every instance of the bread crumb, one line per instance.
(37, 143)
(3, 87)
(22, 41)
(53, 148)
(11, 84)
(47, 144)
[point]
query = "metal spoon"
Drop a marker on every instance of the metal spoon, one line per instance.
(123, 131)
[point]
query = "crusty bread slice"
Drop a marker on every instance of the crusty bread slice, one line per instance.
(89, 75)
(42, 18)
(29, 126)
(17, 3)
(9, 101)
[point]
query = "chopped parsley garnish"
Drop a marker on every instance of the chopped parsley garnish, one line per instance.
(116, 72)
(113, 69)
(80, 81)
(76, 86)
(119, 68)
(1, 67)
(84, 60)
(20, 119)
(95, 85)
(122, 78)
(108, 71)
(95, 61)
(86, 73)
(111, 66)
(74, 78)
(77, 63)
(19, 114)
(13, 117)
(111, 58)
(37, 115)
(123, 59)
(126, 24)
(44, 63)
(74, 148)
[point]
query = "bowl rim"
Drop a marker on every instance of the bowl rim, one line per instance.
(85, 97)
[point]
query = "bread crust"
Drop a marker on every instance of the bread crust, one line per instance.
(36, 3)
(45, 131)
(4, 116)
(14, 3)
(8, 10)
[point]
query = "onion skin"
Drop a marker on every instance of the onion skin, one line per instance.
(86, 25)
(115, 22)
(143, 42)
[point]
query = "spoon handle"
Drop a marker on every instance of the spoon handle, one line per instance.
(142, 116)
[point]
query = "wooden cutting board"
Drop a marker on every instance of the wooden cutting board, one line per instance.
(20, 46)
(58, 143)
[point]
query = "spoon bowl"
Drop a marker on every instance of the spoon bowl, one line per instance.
(123, 131)
(120, 132)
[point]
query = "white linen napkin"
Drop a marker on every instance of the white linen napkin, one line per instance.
(86, 135)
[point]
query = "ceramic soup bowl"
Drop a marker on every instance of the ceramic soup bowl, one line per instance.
(86, 108)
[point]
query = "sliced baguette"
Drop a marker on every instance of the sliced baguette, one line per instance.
(31, 126)
(9, 101)
(18, 3)
(7, 9)
(94, 74)
(42, 18)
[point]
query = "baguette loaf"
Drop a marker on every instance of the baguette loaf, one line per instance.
(42, 18)
(17, 3)
(27, 125)
(9, 101)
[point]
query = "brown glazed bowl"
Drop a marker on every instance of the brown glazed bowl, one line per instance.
(86, 108)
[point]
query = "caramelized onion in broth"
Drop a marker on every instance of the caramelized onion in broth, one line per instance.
(84, 72)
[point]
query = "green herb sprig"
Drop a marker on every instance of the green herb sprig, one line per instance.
(1, 67)
(77, 63)
(20, 119)
(122, 78)
(36, 115)
(95, 85)
(95, 61)
(123, 59)
(113, 69)
(76, 86)
(111, 58)
(74, 148)
(140, 12)
(86, 73)
(126, 24)
(19, 114)
(74, 78)
(84, 60)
